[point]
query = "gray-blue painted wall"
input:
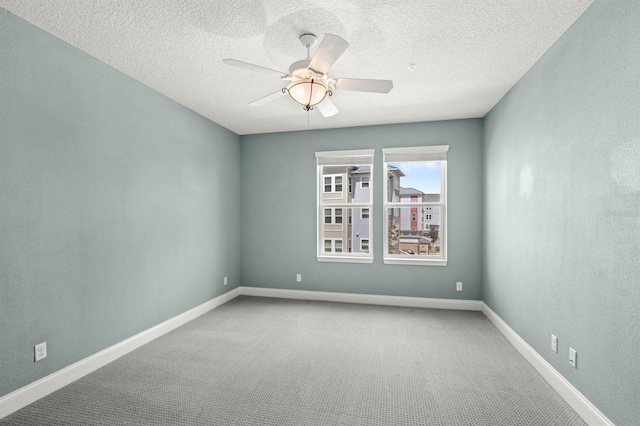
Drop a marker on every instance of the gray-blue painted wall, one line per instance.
(278, 192)
(119, 208)
(562, 206)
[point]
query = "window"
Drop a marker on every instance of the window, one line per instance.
(333, 183)
(332, 216)
(335, 168)
(333, 245)
(418, 177)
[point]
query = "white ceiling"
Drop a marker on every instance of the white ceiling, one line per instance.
(468, 53)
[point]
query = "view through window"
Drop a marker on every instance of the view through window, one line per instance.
(344, 205)
(415, 205)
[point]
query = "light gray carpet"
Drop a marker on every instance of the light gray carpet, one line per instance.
(261, 361)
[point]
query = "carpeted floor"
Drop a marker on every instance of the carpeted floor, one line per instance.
(262, 361)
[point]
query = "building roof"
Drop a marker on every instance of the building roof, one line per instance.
(362, 169)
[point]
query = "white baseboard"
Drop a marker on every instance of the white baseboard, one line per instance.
(567, 391)
(34, 391)
(38, 389)
(369, 299)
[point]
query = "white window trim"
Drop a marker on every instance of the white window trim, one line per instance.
(341, 158)
(422, 153)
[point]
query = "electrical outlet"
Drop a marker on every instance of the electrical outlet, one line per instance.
(554, 343)
(225, 281)
(298, 277)
(573, 357)
(40, 351)
(458, 286)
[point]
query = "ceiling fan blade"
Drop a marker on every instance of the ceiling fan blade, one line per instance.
(268, 98)
(364, 85)
(330, 49)
(327, 108)
(252, 67)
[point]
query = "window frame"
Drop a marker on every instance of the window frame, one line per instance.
(344, 158)
(417, 154)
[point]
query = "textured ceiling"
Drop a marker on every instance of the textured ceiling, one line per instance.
(468, 53)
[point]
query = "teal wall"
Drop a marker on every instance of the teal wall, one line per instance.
(562, 206)
(278, 198)
(119, 208)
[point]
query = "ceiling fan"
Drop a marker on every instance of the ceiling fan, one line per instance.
(309, 83)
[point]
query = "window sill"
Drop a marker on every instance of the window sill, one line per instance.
(345, 259)
(419, 262)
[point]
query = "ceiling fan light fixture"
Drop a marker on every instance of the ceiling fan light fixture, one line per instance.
(307, 92)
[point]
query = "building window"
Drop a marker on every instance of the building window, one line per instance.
(333, 169)
(333, 183)
(364, 245)
(424, 169)
(332, 216)
(365, 182)
(333, 245)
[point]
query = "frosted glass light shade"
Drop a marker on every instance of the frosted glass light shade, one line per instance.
(307, 92)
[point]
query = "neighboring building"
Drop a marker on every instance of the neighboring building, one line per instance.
(361, 193)
(346, 230)
(418, 219)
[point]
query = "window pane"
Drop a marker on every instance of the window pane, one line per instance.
(327, 246)
(355, 231)
(365, 213)
(417, 181)
(338, 246)
(338, 216)
(365, 246)
(408, 236)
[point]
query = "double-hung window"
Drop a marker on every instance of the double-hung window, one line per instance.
(416, 183)
(345, 191)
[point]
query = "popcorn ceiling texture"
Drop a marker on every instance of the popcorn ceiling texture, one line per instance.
(469, 53)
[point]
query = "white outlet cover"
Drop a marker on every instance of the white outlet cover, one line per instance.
(40, 351)
(458, 286)
(554, 343)
(299, 277)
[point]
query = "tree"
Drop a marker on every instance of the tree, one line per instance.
(433, 233)
(393, 238)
